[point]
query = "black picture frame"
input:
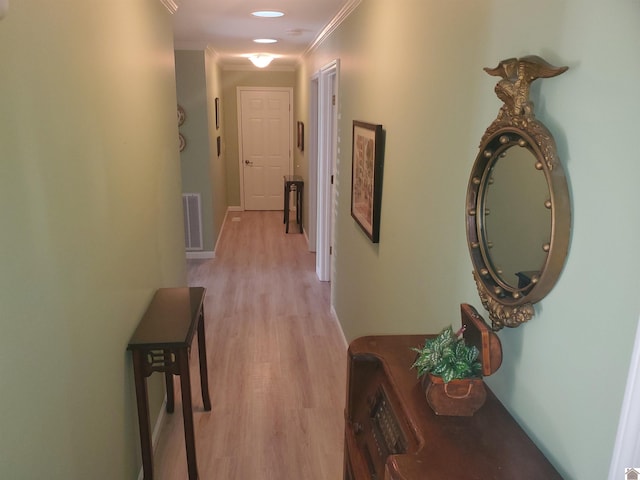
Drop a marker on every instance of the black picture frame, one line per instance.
(367, 158)
(218, 144)
(217, 102)
(301, 136)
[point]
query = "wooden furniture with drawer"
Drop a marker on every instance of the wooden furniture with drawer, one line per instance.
(392, 433)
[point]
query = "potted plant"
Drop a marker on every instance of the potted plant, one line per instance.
(452, 374)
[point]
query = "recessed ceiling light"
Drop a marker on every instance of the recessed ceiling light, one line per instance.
(267, 14)
(265, 40)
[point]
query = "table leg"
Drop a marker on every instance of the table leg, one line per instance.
(202, 354)
(297, 199)
(286, 207)
(142, 400)
(168, 378)
(187, 413)
(299, 207)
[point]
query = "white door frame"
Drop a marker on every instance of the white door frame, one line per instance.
(312, 190)
(239, 90)
(626, 452)
(326, 155)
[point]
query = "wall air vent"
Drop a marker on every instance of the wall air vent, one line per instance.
(192, 221)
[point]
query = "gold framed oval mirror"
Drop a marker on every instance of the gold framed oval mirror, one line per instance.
(517, 210)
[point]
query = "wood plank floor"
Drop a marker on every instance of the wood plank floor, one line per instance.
(277, 363)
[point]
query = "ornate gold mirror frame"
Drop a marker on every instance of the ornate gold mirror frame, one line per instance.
(518, 235)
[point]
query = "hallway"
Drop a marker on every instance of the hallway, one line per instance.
(277, 363)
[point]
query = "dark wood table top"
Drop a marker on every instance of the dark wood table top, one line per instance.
(170, 320)
(293, 178)
(488, 445)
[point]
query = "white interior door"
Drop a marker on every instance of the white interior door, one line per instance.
(265, 146)
(327, 156)
(312, 189)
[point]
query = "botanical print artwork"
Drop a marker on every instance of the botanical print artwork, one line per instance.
(366, 181)
(363, 181)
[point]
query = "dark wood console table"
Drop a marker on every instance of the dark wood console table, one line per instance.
(391, 433)
(161, 343)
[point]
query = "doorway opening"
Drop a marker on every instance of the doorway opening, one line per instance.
(312, 223)
(327, 135)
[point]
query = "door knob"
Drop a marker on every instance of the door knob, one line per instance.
(247, 162)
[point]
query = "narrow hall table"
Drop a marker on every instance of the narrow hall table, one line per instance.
(293, 183)
(161, 343)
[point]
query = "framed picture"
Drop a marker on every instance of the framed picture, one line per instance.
(181, 115)
(218, 144)
(301, 136)
(217, 102)
(366, 179)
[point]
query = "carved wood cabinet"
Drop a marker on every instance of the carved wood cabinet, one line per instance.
(391, 432)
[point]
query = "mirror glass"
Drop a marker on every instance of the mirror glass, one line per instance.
(516, 222)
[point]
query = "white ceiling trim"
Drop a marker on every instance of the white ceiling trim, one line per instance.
(171, 5)
(212, 51)
(340, 17)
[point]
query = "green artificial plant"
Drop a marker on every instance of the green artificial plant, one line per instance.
(448, 356)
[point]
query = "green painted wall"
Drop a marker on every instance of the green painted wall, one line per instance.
(217, 163)
(91, 226)
(197, 89)
(418, 71)
(231, 79)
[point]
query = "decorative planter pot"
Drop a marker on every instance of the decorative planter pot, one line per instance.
(459, 398)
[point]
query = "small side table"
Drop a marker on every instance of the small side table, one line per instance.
(161, 343)
(293, 183)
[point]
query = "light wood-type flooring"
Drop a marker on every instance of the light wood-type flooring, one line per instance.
(277, 363)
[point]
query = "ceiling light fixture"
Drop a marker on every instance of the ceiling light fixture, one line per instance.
(267, 14)
(261, 60)
(265, 40)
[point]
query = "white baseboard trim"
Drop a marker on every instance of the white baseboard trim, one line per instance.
(200, 255)
(337, 320)
(156, 431)
(224, 222)
(205, 255)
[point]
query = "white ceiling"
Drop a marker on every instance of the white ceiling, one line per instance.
(227, 27)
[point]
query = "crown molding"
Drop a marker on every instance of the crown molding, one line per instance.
(209, 50)
(171, 5)
(340, 17)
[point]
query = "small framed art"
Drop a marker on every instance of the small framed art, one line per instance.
(301, 136)
(366, 179)
(217, 106)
